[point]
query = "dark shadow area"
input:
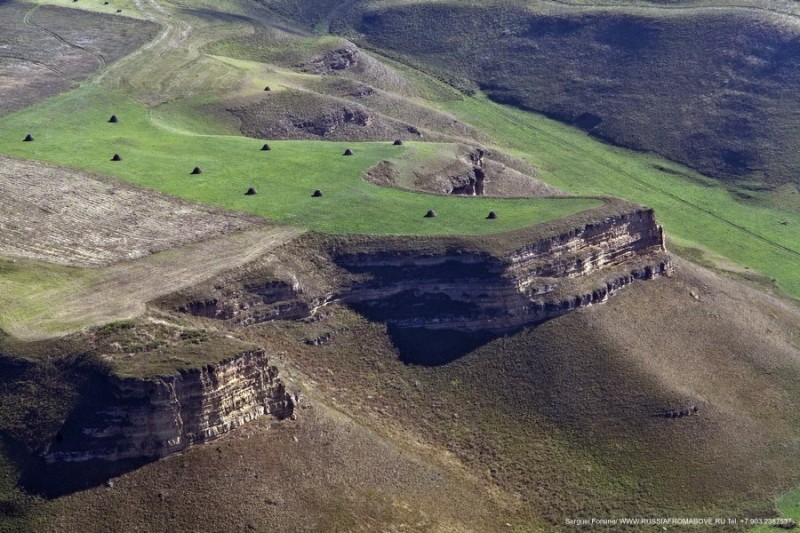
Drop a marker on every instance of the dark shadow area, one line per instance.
(53, 480)
(588, 121)
(420, 346)
(44, 408)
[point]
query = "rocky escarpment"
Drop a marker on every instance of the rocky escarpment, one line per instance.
(433, 286)
(275, 299)
(483, 292)
(131, 418)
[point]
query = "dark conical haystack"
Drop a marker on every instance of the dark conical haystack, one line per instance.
(28, 138)
(348, 152)
(398, 142)
(317, 193)
(196, 170)
(430, 214)
(266, 148)
(116, 158)
(113, 119)
(250, 192)
(492, 215)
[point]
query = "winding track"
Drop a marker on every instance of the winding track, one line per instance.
(121, 290)
(28, 21)
(52, 69)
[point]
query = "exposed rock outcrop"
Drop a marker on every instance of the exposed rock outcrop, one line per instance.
(482, 292)
(148, 418)
(471, 171)
(458, 284)
(246, 304)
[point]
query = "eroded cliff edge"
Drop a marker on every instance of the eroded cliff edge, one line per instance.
(477, 291)
(130, 417)
(491, 285)
(426, 290)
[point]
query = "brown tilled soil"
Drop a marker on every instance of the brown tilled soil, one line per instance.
(41, 54)
(121, 291)
(70, 217)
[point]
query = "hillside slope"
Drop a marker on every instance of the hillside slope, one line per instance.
(675, 397)
(564, 420)
(712, 87)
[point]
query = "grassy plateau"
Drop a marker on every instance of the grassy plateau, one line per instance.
(73, 130)
(697, 212)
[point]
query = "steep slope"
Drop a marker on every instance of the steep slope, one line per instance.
(712, 88)
(602, 412)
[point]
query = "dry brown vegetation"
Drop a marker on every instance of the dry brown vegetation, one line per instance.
(65, 216)
(562, 420)
(121, 291)
(568, 416)
(323, 472)
(41, 54)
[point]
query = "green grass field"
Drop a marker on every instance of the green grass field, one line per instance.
(697, 212)
(789, 506)
(29, 289)
(73, 130)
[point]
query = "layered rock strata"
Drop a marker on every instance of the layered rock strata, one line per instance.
(138, 418)
(482, 292)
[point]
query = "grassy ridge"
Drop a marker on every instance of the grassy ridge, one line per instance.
(29, 289)
(72, 129)
(697, 212)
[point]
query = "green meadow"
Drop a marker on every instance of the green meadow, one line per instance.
(704, 220)
(73, 130)
(789, 506)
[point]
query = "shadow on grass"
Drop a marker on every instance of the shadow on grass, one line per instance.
(44, 406)
(53, 480)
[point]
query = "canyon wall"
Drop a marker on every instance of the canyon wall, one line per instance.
(129, 418)
(483, 292)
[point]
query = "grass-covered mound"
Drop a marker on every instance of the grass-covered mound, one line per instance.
(73, 130)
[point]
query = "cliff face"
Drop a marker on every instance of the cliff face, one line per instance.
(245, 305)
(477, 292)
(135, 418)
(418, 288)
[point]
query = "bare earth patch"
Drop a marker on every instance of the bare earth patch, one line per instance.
(47, 50)
(64, 216)
(121, 291)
